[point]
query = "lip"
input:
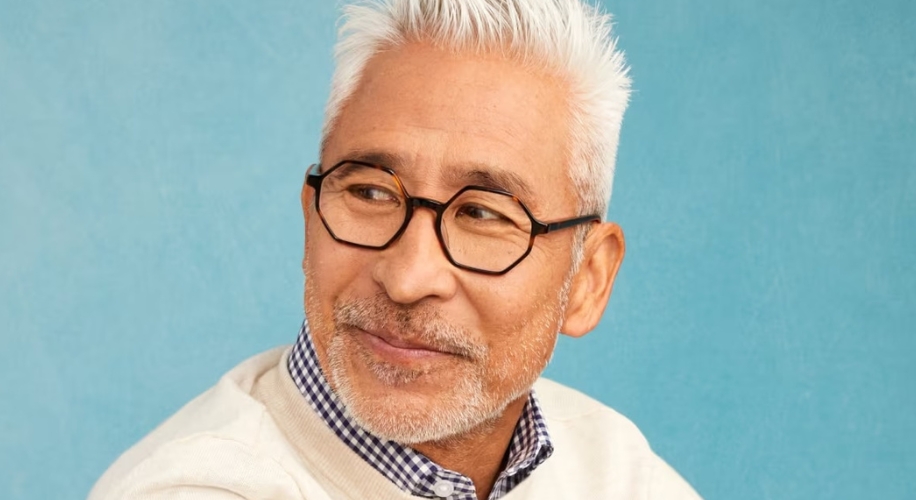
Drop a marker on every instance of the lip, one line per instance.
(392, 348)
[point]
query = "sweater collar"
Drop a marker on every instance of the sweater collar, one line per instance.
(410, 470)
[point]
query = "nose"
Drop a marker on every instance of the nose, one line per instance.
(415, 267)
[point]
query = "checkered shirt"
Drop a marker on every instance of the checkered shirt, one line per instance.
(406, 468)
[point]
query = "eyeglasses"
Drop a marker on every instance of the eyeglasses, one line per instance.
(480, 229)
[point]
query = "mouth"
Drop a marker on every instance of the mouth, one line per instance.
(400, 350)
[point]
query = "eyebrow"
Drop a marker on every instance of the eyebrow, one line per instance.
(458, 175)
(380, 158)
(488, 176)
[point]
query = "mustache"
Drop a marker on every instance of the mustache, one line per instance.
(417, 323)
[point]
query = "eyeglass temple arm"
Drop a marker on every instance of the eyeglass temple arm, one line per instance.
(563, 224)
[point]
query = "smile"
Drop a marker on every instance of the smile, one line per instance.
(395, 350)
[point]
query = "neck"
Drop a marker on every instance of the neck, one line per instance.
(479, 453)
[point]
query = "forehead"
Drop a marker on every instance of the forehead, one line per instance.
(444, 120)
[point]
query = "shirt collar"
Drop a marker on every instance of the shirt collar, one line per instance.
(410, 470)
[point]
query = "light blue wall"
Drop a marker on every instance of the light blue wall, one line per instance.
(762, 329)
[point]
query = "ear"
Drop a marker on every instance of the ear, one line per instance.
(592, 284)
(307, 200)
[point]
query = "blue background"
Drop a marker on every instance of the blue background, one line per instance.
(762, 329)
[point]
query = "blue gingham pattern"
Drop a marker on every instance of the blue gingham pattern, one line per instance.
(408, 469)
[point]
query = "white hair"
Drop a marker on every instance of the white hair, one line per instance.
(569, 38)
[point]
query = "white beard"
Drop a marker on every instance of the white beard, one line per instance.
(466, 405)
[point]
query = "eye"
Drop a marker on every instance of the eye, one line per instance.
(481, 213)
(372, 193)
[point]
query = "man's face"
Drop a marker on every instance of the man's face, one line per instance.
(418, 349)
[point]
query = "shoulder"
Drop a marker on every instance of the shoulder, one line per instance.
(585, 424)
(604, 448)
(220, 443)
(565, 407)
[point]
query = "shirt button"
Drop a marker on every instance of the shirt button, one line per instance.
(443, 489)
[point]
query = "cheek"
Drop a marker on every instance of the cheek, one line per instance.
(516, 301)
(331, 269)
(519, 315)
(520, 336)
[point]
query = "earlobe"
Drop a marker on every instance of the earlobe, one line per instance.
(592, 284)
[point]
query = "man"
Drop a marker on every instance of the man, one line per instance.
(434, 290)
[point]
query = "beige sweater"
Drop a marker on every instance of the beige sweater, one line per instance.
(252, 436)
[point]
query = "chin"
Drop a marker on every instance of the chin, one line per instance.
(410, 405)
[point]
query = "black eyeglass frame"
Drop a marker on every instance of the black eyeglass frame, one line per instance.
(538, 227)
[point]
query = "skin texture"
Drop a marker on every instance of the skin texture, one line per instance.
(420, 351)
